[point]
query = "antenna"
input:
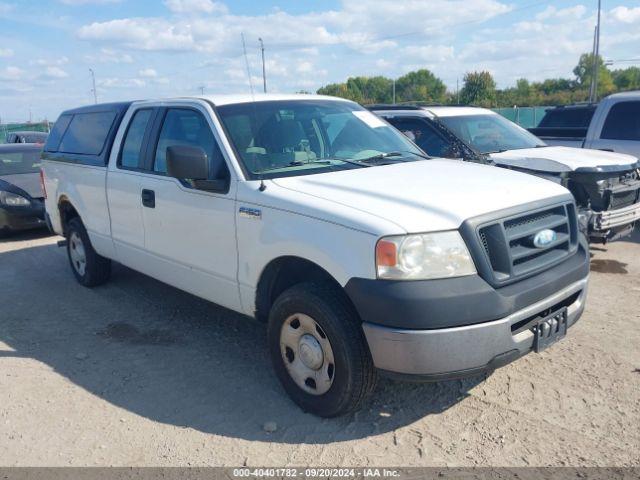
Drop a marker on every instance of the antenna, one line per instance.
(264, 68)
(95, 93)
(246, 60)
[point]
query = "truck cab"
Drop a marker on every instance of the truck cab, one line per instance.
(364, 256)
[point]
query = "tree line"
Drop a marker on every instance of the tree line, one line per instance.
(479, 88)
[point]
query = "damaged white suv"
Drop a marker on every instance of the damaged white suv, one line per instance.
(606, 185)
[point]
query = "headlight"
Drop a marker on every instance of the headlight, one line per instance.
(13, 200)
(423, 257)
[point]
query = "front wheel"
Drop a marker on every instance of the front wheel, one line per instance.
(319, 351)
(89, 268)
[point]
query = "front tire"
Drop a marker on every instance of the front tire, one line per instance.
(89, 268)
(319, 351)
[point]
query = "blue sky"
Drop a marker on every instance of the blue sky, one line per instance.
(143, 49)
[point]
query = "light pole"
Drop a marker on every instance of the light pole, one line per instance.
(264, 68)
(593, 94)
(95, 93)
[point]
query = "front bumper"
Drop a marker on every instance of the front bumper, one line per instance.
(447, 353)
(616, 218)
(22, 218)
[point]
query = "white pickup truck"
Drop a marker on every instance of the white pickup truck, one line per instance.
(316, 216)
(606, 185)
(612, 125)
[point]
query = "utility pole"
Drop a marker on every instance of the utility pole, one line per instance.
(394, 91)
(264, 68)
(597, 63)
(593, 90)
(201, 90)
(458, 89)
(95, 93)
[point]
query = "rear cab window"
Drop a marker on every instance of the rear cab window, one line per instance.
(623, 122)
(85, 135)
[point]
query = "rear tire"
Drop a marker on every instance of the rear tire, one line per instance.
(319, 351)
(89, 268)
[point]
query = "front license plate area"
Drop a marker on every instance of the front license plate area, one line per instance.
(549, 330)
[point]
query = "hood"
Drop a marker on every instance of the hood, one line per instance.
(29, 182)
(565, 159)
(424, 196)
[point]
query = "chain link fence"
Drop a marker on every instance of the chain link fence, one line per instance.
(7, 128)
(526, 117)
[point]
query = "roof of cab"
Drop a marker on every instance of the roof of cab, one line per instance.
(99, 107)
(220, 100)
(430, 110)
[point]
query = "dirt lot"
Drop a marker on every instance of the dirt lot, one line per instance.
(138, 373)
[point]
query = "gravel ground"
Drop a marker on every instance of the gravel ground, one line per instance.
(138, 373)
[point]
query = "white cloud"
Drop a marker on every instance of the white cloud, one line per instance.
(44, 62)
(304, 67)
(140, 34)
(55, 72)
(11, 73)
(108, 55)
(626, 15)
(551, 12)
(147, 73)
(195, 6)
(6, 52)
(115, 82)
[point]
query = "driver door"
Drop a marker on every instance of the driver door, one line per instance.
(190, 235)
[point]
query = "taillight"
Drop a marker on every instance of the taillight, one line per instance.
(44, 189)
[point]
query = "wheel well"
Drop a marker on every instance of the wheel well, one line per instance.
(67, 212)
(283, 273)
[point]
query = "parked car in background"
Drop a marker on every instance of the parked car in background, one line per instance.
(27, 137)
(606, 185)
(316, 216)
(612, 125)
(21, 196)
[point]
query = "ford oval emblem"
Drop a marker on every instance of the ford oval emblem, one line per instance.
(544, 238)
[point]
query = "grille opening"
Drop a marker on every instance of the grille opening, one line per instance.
(623, 199)
(529, 322)
(509, 248)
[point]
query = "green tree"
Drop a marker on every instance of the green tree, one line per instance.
(626, 79)
(479, 89)
(584, 74)
(420, 86)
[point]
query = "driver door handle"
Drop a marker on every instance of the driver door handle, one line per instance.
(148, 198)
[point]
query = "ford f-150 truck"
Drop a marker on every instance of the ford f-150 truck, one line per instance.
(316, 216)
(613, 125)
(606, 185)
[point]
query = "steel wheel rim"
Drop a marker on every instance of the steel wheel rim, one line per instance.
(307, 354)
(77, 254)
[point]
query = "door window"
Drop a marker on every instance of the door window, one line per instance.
(189, 128)
(423, 135)
(623, 122)
(132, 146)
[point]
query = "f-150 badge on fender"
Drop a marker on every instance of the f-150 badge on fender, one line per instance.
(252, 213)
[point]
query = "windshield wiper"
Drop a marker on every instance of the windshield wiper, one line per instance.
(379, 156)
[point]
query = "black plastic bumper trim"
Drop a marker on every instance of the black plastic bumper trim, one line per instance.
(457, 302)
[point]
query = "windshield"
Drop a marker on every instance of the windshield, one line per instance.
(301, 137)
(14, 162)
(491, 133)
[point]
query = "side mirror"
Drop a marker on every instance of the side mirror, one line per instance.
(191, 165)
(187, 163)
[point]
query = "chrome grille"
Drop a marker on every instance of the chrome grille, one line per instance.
(508, 242)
